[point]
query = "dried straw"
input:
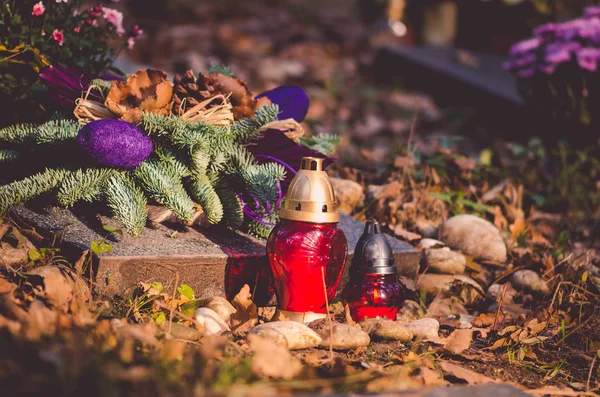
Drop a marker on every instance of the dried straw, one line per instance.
(87, 110)
(290, 127)
(220, 115)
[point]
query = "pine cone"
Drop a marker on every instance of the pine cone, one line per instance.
(207, 86)
(194, 89)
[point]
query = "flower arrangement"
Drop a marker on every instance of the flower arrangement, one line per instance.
(557, 69)
(202, 147)
(36, 34)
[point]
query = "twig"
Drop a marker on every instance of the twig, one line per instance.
(328, 315)
(499, 305)
(587, 385)
(172, 302)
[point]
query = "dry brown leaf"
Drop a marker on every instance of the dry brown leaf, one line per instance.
(247, 312)
(517, 228)
(459, 341)
(406, 235)
(431, 377)
(500, 343)
(41, 321)
(472, 377)
(146, 90)
(493, 193)
(488, 319)
(272, 360)
(554, 391)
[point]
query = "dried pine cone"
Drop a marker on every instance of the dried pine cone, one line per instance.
(207, 86)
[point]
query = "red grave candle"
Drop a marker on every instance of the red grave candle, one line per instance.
(307, 249)
(373, 290)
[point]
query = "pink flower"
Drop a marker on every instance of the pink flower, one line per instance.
(130, 43)
(59, 1)
(58, 36)
(114, 17)
(77, 29)
(38, 9)
(136, 31)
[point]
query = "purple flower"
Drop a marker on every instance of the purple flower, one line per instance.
(65, 84)
(546, 32)
(115, 143)
(569, 30)
(592, 11)
(525, 46)
(588, 57)
(589, 29)
(560, 52)
(292, 101)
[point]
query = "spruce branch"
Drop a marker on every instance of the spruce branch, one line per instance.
(204, 193)
(30, 187)
(232, 207)
(162, 183)
(8, 156)
(246, 129)
(102, 85)
(216, 67)
(324, 143)
(127, 203)
(175, 161)
(82, 184)
(261, 230)
(54, 131)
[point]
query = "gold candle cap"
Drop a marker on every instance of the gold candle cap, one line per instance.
(310, 197)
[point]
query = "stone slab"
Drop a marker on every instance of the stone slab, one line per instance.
(216, 261)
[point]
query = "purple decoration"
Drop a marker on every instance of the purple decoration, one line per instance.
(65, 84)
(292, 101)
(275, 146)
(115, 143)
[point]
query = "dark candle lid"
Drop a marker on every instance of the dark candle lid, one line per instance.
(373, 254)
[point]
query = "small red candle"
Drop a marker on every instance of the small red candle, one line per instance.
(373, 290)
(307, 249)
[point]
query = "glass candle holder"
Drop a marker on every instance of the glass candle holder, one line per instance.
(373, 290)
(307, 249)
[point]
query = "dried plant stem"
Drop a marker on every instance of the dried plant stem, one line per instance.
(587, 385)
(220, 114)
(328, 315)
(172, 304)
(499, 305)
(87, 110)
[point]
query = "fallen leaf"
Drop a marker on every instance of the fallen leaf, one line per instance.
(406, 235)
(493, 193)
(431, 377)
(517, 228)
(488, 319)
(554, 391)
(500, 343)
(471, 377)
(459, 341)
(247, 312)
(272, 360)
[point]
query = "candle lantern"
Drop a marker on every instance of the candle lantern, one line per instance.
(373, 289)
(307, 249)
